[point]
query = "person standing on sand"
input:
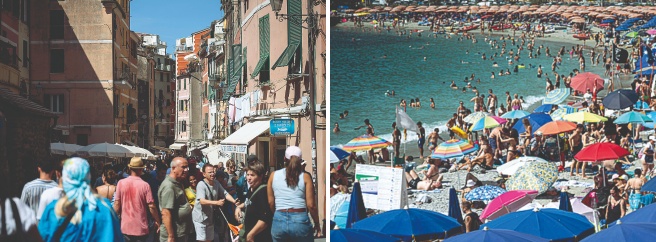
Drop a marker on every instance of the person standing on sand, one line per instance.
(421, 139)
(576, 143)
(396, 140)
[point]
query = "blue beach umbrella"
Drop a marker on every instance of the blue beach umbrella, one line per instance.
(556, 96)
(633, 117)
(620, 99)
(650, 186)
(484, 193)
(454, 206)
(356, 211)
(565, 204)
(515, 114)
(337, 154)
(494, 235)
(646, 214)
(625, 232)
(342, 214)
(548, 223)
(544, 108)
(651, 115)
(412, 224)
(345, 235)
(641, 105)
(535, 119)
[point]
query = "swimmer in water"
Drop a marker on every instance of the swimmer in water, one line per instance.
(424, 58)
(495, 64)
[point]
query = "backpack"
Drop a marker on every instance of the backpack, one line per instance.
(242, 188)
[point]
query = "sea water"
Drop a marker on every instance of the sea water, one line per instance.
(364, 65)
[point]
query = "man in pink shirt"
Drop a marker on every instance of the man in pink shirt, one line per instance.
(132, 200)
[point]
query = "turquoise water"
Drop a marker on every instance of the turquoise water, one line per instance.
(360, 77)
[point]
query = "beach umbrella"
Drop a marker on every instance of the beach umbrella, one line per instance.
(454, 206)
(515, 114)
(510, 168)
(342, 214)
(535, 119)
(564, 203)
(544, 108)
(537, 176)
(411, 224)
(600, 152)
(63, 148)
(557, 127)
(337, 154)
(336, 202)
(366, 142)
(556, 96)
(484, 193)
(494, 235)
(562, 111)
(641, 105)
(651, 115)
(650, 186)
(508, 202)
(105, 150)
(577, 207)
(548, 223)
(584, 117)
(356, 211)
(632, 34)
(646, 214)
(587, 80)
(473, 117)
(625, 231)
(453, 148)
(620, 99)
(345, 235)
(487, 122)
(633, 117)
(138, 151)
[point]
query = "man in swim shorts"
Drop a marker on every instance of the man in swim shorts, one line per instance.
(432, 139)
(421, 135)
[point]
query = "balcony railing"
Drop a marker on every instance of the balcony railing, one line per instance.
(163, 67)
(184, 48)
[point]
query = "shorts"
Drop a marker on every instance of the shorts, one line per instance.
(420, 142)
(493, 143)
(649, 159)
(451, 133)
(413, 183)
(576, 149)
(205, 232)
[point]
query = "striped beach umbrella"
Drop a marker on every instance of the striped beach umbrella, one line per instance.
(366, 142)
(556, 96)
(515, 114)
(472, 118)
(453, 148)
(487, 122)
(562, 111)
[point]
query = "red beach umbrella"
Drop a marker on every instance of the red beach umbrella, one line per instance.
(600, 152)
(587, 80)
(557, 127)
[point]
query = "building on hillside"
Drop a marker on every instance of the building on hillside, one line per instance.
(83, 60)
(276, 73)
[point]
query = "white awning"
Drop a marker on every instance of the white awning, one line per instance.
(177, 146)
(214, 157)
(209, 149)
(238, 141)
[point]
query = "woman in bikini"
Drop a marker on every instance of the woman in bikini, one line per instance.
(526, 136)
(109, 180)
(512, 140)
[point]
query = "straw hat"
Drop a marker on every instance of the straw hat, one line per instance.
(136, 163)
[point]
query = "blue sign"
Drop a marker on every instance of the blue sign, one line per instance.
(281, 126)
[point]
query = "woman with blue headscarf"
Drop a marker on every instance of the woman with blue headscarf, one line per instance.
(81, 215)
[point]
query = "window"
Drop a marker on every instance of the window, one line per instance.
(181, 105)
(168, 88)
(262, 67)
(291, 56)
(161, 76)
(54, 102)
(25, 11)
(57, 61)
(15, 8)
(184, 83)
(178, 82)
(25, 59)
(56, 24)
(83, 139)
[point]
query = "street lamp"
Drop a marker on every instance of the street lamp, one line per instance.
(311, 19)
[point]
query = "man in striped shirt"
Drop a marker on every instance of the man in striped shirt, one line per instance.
(32, 191)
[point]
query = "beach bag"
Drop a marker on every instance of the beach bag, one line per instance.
(635, 201)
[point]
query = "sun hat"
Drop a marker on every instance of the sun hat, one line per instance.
(293, 151)
(470, 183)
(136, 163)
(615, 176)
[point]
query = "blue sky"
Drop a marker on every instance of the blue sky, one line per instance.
(173, 19)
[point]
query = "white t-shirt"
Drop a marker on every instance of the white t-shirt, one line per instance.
(49, 195)
(26, 216)
(587, 97)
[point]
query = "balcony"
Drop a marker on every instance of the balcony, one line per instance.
(124, 80)
(163, 67)
(184, 48)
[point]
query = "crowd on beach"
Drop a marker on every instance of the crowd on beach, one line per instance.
(613, 184)
(188, 200)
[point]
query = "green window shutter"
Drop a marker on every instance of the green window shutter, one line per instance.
(243, 58)
(263, 62)
(294, 32)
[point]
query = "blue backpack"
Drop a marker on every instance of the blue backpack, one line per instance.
(242, 188)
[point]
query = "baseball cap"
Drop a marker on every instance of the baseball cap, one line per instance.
(293, 151)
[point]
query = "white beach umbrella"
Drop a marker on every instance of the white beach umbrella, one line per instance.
(511, 167)
(138, 151)
(63, 148)
(105, 150)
